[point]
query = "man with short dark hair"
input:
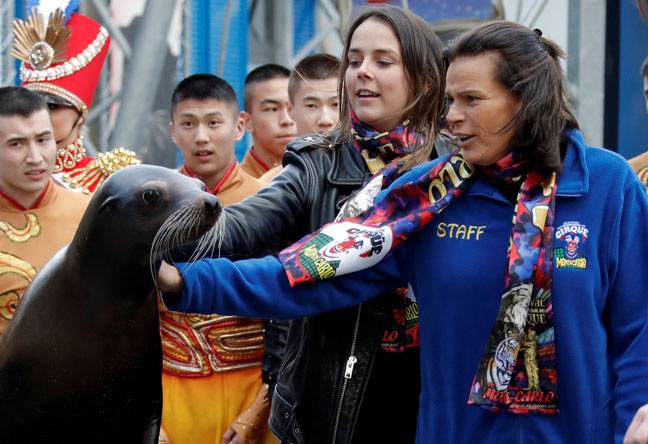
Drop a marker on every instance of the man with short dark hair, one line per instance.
(205, 125)
(312, 89)
(640, 163)
(37, 216)
(267, 118)
(211, 364)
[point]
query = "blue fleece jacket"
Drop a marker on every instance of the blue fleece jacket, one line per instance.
(456, 268)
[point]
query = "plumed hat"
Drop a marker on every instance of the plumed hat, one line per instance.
(61, 60)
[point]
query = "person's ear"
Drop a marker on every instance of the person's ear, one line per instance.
(240, 127)
(247, 121)
(172, 132)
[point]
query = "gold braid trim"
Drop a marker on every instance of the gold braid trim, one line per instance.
(19, 235)
(57, 91)
(90, 177)
(67, 157)
(10, 264)
(13, 264)
(8, 304)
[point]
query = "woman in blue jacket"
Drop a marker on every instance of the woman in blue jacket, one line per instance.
(525, 250)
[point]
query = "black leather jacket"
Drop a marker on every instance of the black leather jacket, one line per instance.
(313, 401)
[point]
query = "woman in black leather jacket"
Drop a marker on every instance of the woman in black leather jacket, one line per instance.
(351, 375)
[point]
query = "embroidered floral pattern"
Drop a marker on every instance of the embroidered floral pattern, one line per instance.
(31, 229)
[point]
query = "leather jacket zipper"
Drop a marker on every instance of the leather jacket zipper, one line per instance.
(348, 373)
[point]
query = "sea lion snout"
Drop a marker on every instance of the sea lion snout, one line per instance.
(213, 207)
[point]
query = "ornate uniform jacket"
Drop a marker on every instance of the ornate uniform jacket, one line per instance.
(78, 171)
(29, 237)
(195, 345)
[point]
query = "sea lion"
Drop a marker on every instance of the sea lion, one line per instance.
(81, 360)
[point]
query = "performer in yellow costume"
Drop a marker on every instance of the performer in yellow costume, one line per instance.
(212, 364)
(37, 217)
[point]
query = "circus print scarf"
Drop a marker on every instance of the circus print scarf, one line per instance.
(379, 148)
(382, 152)
(517, 372)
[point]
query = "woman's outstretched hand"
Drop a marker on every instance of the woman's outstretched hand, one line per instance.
(170, 279)
(638, 431)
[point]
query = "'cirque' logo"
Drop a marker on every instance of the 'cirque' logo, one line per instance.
(574, 234)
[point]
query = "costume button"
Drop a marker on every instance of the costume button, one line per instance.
(296, 430)
(286, 415)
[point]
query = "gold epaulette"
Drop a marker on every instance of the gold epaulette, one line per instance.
(91, 176)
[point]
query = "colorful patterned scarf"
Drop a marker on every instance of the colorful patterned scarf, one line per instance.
(382, 152)
(379, 148)
(506, 379)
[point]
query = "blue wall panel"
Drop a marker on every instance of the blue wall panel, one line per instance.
(303, 23)
(432, 10)
(213, 25)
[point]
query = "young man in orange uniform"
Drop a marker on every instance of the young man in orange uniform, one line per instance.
(37, 217)
(312, 90)
(211, 364)
(267, 118)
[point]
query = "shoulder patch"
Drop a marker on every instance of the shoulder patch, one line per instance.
(309, 140)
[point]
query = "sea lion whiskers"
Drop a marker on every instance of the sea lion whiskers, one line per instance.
(176, 229)
(167, 235)
(206, 243)
(168, 232)
(161, 239)
(211, 240)
(180, 227)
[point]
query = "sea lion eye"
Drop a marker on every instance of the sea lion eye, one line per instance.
(151, 196)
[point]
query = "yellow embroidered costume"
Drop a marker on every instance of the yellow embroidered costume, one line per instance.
(29, 237)
(211, 364)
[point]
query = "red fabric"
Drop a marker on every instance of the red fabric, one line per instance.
(189, 172)
(258, 159)
(34, 205)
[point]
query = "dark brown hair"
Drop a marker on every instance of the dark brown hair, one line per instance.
(319, 66)
(204, 87)
(531, 71)
(19, 101)
(263, 73)
(422, 58)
